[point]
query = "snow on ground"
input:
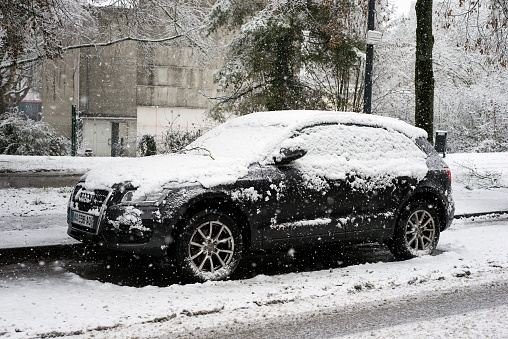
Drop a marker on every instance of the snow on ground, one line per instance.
(479, 181)
(16, 163)
(47, 299)
(25, 202)
(33, 217)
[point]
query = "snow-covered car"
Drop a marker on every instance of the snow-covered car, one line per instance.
(270, 181)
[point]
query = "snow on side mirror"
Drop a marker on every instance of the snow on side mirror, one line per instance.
(288, 155)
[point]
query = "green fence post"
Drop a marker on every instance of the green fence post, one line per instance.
(73, 138)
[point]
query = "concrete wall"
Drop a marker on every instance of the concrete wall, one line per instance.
(138, 85)
(170, 83)
(107, 81)
(60, 90)
(171, 77)
(156, 120)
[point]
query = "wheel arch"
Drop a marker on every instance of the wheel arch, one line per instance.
(219, 202)
(428, 196)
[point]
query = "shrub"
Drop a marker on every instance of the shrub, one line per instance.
(174, 141)
(147, 145)
(20, 136)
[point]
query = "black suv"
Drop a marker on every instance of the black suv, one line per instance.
(270, 180)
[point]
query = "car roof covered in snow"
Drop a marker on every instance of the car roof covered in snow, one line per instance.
(296, 119)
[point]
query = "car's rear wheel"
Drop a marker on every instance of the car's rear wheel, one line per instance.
(417, 232)
(209, 246)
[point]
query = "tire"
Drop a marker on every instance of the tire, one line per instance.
(209, 247)
(417, 231)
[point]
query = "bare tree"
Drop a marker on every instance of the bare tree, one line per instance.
(33, 30)
(486, 23)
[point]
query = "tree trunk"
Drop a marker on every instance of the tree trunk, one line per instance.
(6, 81)
(424, 75)
(2, 100)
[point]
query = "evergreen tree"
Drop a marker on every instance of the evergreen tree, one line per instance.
(288, 55)
(147, 146)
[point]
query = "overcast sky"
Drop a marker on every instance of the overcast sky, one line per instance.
(403, 5)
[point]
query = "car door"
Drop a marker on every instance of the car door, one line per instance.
(303, 203)
(378, 178)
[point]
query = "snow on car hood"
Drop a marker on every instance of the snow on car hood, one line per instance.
(151, 173)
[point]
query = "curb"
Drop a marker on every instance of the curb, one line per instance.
(480, 214)
(10, 256)
(39, 179)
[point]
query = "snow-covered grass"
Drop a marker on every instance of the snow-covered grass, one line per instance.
(33, 201)
(479, 170)
(33, 217)
(473, 189)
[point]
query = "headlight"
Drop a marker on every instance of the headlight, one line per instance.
(130, 197)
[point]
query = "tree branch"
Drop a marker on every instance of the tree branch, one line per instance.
(100, 44)
(237, 94)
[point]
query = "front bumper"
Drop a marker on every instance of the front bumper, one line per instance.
(141, 233)
(155, 247)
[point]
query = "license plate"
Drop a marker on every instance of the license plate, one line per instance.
(83, 219)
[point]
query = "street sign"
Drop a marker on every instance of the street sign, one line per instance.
(374, 37)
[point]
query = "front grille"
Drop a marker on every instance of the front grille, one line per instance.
(90, 203)
(101, 195)
(88, 200)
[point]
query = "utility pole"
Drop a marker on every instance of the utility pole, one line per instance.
(367, 96)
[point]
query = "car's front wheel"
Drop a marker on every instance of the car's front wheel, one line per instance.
(417, 232)
(209, 247)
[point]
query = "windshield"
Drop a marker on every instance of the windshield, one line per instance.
(239, 141)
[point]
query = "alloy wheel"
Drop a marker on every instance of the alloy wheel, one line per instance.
(420, 230)
(211, 246)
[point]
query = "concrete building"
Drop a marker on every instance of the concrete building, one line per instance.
(124, 91)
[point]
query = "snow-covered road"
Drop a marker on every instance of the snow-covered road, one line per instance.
(453, 313)
(52, 299)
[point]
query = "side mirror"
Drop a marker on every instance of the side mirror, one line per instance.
(288, 155)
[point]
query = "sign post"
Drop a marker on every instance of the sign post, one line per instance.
(367, 96)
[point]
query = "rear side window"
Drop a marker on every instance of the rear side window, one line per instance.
(426, 146)
(334, 151)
